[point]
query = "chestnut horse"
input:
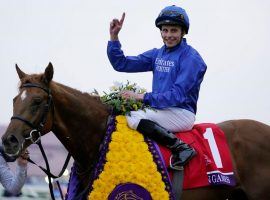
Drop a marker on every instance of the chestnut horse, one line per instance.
(79, 121)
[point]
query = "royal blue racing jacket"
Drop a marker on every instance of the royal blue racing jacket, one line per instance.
(177, 73)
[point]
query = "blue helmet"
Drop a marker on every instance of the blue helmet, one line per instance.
(173, 15)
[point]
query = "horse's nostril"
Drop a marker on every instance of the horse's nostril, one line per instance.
(12, 139)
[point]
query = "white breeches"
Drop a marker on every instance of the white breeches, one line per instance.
(173, 119)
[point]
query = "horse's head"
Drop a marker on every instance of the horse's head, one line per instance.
(32, 112)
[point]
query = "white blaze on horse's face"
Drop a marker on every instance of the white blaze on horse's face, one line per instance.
(23, 95)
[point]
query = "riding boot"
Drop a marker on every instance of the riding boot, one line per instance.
(181, 152)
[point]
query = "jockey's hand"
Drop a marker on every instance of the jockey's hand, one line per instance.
(130, 94)
(22, 160)
(116, 26)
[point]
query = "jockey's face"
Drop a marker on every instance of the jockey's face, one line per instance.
(171, 35)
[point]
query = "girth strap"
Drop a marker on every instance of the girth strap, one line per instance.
(177, 183)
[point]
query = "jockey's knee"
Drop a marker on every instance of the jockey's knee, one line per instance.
(132, 122)
(134, 118)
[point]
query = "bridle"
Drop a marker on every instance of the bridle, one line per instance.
(37, 128)
(36, 133)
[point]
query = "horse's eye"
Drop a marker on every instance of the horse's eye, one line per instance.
(35, 105)
(37, 101)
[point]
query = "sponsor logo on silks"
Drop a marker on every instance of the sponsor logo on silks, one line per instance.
(164, 65)
(219, 178)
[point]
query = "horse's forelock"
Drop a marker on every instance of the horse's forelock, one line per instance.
(33, 78)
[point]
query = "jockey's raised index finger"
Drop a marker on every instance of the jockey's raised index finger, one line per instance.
(122, 18)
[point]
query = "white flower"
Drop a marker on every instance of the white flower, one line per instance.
(137, 89)
(113, 88)
(118, 84)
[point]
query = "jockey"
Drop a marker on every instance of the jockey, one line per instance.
(178, 71)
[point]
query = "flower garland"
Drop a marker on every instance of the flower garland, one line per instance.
(128, 161)
(122, 106)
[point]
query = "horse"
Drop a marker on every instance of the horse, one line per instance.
(79, 121)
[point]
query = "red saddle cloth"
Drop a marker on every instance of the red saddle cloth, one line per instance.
(212, 165)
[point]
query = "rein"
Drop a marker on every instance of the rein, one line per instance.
(37, 129)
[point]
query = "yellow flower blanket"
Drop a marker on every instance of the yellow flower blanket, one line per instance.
(129, 163)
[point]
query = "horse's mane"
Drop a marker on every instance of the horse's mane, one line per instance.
(83, 97)
(75, 92)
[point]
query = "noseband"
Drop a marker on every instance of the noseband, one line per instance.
(36, 128)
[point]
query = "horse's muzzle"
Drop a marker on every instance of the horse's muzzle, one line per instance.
(11, 146)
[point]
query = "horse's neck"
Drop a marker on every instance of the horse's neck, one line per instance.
(79, 122)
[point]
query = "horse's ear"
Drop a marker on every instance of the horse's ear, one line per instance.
(20, 73)
(48, 73)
